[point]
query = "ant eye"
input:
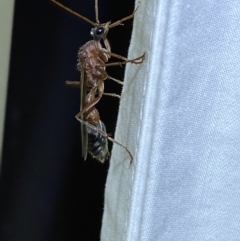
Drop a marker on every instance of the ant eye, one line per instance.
(100, 31)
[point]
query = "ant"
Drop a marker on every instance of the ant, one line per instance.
(92, 62)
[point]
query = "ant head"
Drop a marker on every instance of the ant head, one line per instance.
(100, 31)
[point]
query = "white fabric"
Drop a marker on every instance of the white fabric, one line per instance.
(180, 117)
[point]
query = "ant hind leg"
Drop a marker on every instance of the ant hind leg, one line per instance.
(104, 134)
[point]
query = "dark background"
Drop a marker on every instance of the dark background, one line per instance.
(47, 192)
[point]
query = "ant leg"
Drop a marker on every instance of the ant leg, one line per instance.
(137, 60)
(77, 84)
(92, 101)
(112, 95)
(116, 80)
(104, 134)
(88, 106)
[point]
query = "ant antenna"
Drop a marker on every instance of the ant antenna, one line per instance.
(73, 12)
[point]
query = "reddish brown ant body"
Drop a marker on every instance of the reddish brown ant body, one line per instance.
(92, 62)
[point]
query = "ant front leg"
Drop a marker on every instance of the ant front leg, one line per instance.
(137, 60)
